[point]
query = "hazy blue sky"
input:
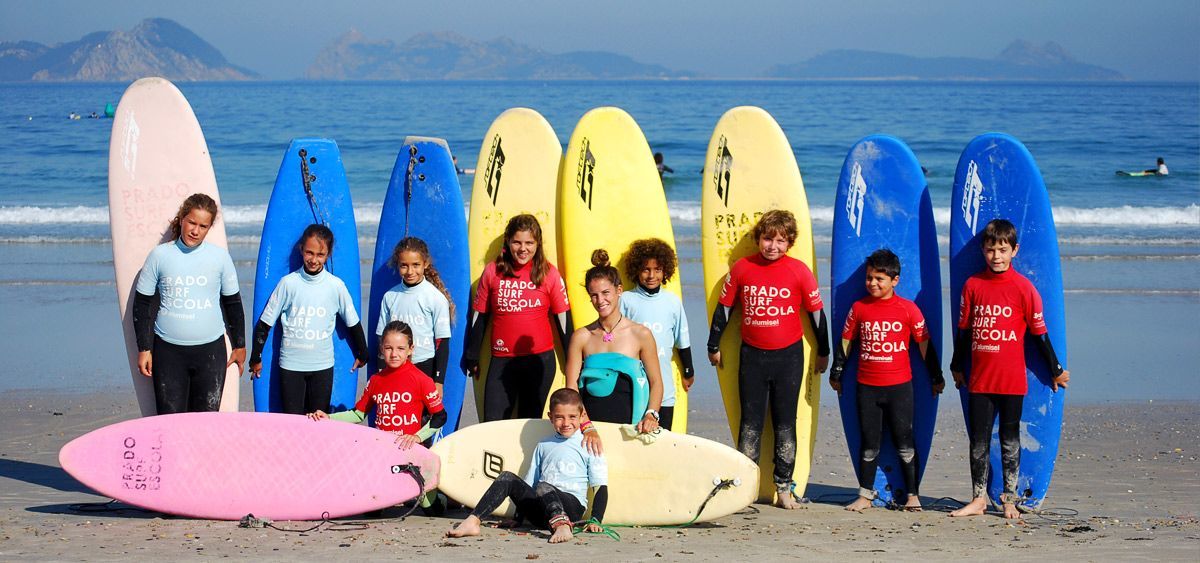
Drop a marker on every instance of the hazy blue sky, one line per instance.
(1148, 40)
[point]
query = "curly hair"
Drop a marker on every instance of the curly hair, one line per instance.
(193, 202)
(414, 244)
(644, 250)
(777, 222)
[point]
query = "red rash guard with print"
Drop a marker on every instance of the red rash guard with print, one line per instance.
(520, 310)
(999, 309)
(774, 295)
(401, 397)
(884, 328)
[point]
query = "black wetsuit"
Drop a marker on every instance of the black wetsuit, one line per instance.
(540, 505)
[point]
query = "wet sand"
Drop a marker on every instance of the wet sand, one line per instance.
(1125, 489)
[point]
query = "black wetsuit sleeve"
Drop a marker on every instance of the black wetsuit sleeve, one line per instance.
(600, 502)
(258, 341)
(235, 319)
(438, 419)
(839, 362)
(720, 318)
(962, 347)
(563, 325)
(144, 313)
(821, 326)
(933, 364)
(358, 342)
(668, 169)
(1047, 349)
(441, 356)
(475, 332)
(685, 361)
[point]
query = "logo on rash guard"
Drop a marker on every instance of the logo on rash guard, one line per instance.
(759, 303)
(510, 296)
(878, 337)
(176, 294)
(985, 337)
(499, 346)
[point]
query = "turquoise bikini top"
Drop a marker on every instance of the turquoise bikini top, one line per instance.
(599, 376)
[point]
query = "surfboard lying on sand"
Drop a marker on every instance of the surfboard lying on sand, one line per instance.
(424, 200)
(223, 466)
(310, 188)
(750, 169)
(883, 202)
(157, 157)
(517, 173)
(997, 178)
(610, 195)
(656, 484)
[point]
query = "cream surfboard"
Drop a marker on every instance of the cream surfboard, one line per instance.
(157, 157)
(610, 195)
(517, 173)
(750, 169)
(657, 484)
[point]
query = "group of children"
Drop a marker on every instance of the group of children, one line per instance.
(615, 366)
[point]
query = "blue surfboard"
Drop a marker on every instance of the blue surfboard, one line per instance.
(997, 178)
(883, 202)
(310, 188)
(424, 200)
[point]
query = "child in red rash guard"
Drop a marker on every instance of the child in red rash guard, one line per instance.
(998, 307)
(885, 325)
(525, 298)
(776, 292)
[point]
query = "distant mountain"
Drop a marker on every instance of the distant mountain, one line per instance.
(448, 56)
(1021, 60)
(155, 47)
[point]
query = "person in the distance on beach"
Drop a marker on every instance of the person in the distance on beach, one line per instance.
(776, 292)
(185, 301)
(998, 306)
(885, 326)
(308, 302)
(421, 301)
(613, 362)
(651, 263)
(524, 298)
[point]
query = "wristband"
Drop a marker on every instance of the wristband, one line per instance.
(652, 413)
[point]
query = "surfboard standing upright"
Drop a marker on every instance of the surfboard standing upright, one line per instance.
(997, 178)
(517, 173)
(157, 157)
(424, 200)
(750, 169)
(610, 195)
(883, 202)
(310, 189)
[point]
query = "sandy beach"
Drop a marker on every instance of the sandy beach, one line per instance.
(1125, 489)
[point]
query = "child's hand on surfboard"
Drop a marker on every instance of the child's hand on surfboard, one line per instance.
(958, 379)
(406, 441)
(357, 364)
(822, 363)
(238, 356)
(255, 370)
(318, 415)
(1061, 381)
(714, 358)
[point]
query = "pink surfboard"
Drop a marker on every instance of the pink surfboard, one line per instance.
(223, 466)
(157, 157)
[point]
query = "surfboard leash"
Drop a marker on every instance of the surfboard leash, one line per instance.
(307, 178)
(408, 189)
(607, 530)
(89, 507)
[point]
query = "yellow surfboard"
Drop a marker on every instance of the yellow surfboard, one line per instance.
(610, 195)
(517, 173)
(661, 483)
(750, 169)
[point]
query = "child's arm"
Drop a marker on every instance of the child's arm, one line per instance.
(235, 327)
(689, 370)
(821, 327)
(441, 357)
(352, 416)
(358, 345)
(476, 327)
(1059, 376)
(599, 504)
(563, 326)
(144, 313)
(962, 347)
(258, 341)
(720, 318)
(839, 364)
(933, 365)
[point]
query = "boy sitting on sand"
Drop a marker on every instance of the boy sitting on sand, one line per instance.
(554, 492)
(997, 308)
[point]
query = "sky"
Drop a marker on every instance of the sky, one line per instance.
(1147, 40)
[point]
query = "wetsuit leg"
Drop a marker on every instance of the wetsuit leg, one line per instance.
(981, 414)
(752, 396)
(292, 387)
(170, 376)
(319, 391)
(898, 411)
(556, 503)
(1009, 407)
(426, 367)
(506, 486)
(208, 363)
(870, 425)
(499, 391)
(787, 376)
(666, 415)
(535, 376)
(617, 407)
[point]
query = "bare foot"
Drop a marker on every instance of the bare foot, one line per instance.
(860, 504)
(1010, 511)
(468, 527)
(562, 534)
(975, 508)
(786, 500)
(913, 504)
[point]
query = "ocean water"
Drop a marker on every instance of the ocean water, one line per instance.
(1131, 246)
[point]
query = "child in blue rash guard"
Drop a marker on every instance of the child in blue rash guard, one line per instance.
(554, 491)
(423, 303)
(651, 263)
(308, 301)
(180, 338)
